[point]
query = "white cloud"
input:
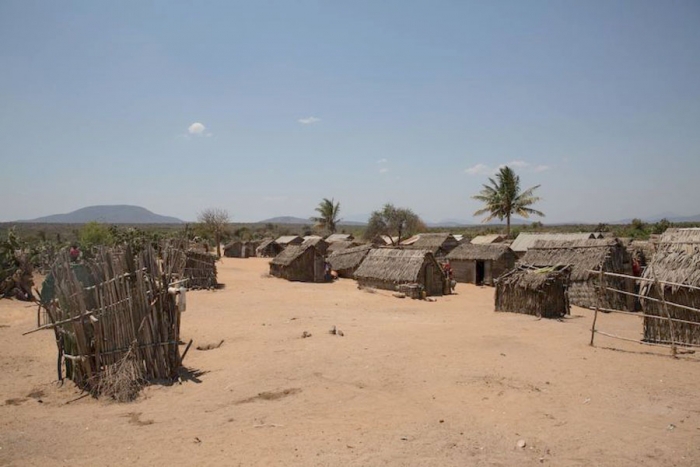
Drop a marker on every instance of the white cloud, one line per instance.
(197, 129)
(541, 168)
(382, 161)
(383, 170)
(518, 164)
(308, 120)
(478, 169)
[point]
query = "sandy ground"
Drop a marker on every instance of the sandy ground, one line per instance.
(410, 383)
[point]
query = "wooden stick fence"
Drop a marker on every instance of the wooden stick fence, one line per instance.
(665, 316)
(115, 320)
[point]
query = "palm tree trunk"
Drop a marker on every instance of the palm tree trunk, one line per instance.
(508, 225)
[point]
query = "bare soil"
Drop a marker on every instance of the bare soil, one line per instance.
(409, 382)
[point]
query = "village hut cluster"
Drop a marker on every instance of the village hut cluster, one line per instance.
(429, 261)
(412, 266)
(117, 317)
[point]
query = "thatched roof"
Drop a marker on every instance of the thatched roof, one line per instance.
(581, 255)
(532, 278)
(489, 252)
(526, 240)
(287, 239)
(289, 254)
(312, 240)
(348, 258)
(312, 237)
(393, 265)
(265, 243)
(339, 237)
(487, 239)
(677, 257)
(338, 246)
(431, 242)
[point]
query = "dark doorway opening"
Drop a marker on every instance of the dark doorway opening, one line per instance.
(480, 270)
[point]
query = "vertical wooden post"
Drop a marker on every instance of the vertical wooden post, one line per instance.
(595, 318)
(671, 330)
(595, 315)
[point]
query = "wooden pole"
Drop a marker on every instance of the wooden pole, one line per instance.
(595, 315)
(671, 330)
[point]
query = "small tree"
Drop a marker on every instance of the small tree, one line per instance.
(215, 222)
(394, 222)
(503, 198)
(328, 211)
(661, 226)
(95, 234)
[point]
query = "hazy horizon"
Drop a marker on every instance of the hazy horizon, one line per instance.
(264, 109)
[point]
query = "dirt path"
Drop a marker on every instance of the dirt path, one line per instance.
(409, 383)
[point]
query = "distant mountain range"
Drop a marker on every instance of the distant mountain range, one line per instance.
(116, 214)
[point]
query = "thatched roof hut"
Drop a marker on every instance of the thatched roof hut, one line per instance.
(286, 240)
(480, 264)
(299, 263)
(487, 239)
(268, 249)
(439, 244)
(338, 246)
(386, 268)
(526, 240)
(677, 261)
(346, 261)
(240, 249)
(339, 237)
(584, 256)
(538, 292)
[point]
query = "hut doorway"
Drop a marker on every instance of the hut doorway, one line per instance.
(480, 272)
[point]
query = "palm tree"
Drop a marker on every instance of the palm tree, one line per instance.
(328, 211)
(503, 198)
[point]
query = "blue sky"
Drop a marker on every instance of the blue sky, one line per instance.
(263, 108)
